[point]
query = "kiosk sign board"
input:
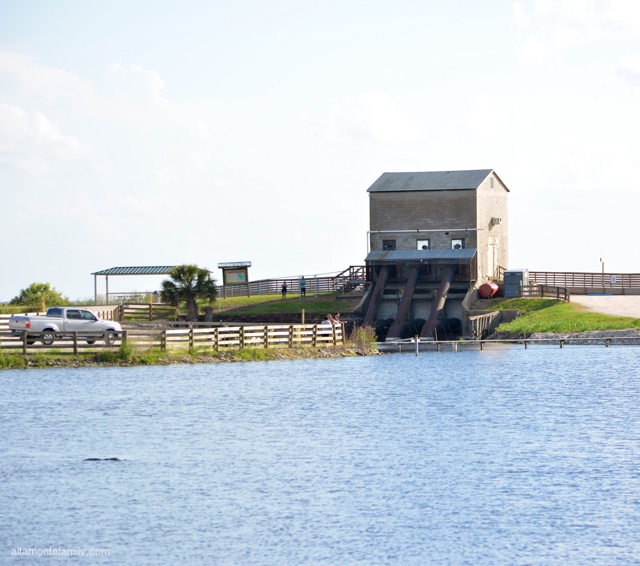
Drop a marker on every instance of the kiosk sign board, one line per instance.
(235, 276)
(235, 273)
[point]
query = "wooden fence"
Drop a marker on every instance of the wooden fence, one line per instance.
(545, 292)
(242, 336)
(139, 311)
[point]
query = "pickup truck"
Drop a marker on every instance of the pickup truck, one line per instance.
(62, 322)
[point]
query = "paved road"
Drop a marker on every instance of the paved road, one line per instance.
(618, 305)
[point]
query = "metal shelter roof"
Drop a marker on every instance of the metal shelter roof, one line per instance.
(137, 270)
(465, 254)
(430, 181)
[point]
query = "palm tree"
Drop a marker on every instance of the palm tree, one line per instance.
(187, 284)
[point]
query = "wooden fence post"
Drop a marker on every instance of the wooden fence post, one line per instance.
(314, 338)
(191, 337)
(241, 337)
(163, 343)
(290, 336)
(24, 343)
(75, 343)
(265, 341)
(216, 335)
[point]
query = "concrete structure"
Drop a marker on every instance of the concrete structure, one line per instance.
(433, 237)
(442, 210)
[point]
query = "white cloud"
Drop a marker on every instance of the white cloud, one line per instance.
(23, 134)
(629, 67)
(47, 85)
(375, 115)
(135, 85)
(556, 25)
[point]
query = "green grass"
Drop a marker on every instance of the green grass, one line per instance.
(549, 315)
(273, 304)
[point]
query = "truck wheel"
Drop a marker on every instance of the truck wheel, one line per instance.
(30, 341)
(110, 337)
(90, 342)
(48, 337)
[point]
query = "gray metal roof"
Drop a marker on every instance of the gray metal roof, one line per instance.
(465, 254)
(140, 270)
(429, 181)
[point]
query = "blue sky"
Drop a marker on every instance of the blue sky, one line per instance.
(159, 133)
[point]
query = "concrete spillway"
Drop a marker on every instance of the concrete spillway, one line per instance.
(430, 326)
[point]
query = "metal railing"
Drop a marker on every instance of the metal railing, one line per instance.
(578, 280)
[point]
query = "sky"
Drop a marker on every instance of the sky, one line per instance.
(137, 132)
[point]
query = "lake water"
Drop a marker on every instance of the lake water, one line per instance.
(505, 456)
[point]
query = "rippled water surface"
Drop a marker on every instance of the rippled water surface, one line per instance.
(510, 456)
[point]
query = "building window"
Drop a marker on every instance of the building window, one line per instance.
(388, 245)
(457, 244)
(423, 245)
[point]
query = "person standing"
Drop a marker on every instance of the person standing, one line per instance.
(303, 286)
(284, 290)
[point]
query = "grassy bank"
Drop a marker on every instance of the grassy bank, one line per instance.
(128, 357)
(547, 315)
(273, 304)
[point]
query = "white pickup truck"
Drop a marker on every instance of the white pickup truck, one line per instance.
(63, 322)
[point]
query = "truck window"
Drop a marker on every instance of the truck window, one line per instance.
(73, 315)
(88, 315)
(54, 312)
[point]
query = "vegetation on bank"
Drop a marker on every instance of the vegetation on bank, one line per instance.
(127, 356)
(553, 316)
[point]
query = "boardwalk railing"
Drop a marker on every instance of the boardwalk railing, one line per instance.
(587, 282)
(260, 336)
(352, 278)
(348, 280)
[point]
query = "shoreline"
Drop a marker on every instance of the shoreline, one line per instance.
(116, 359)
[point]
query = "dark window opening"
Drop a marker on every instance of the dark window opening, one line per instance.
(388, 245)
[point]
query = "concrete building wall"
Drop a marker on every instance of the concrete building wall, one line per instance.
(477, 216)
(493, 224)
(443, 215)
